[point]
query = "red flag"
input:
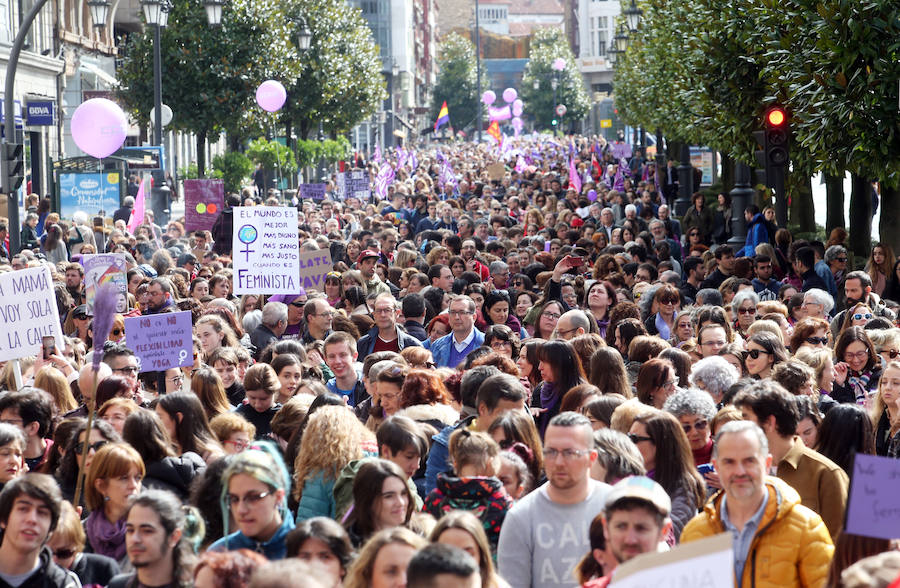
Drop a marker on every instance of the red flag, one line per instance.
(598, 171)
(494, 131)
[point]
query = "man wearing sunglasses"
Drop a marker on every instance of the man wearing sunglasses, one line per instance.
(858, 288)
(821, 483)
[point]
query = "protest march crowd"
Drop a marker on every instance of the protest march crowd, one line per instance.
(521, 369)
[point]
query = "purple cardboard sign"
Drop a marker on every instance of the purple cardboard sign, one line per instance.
(873, 504)
(620, 150)
(312, 191)
(203, 201)
(161, 341)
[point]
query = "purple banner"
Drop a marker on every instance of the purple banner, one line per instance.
(203, 201)
(312, 191)
(503, 113)
(873, 504)
(161, 341)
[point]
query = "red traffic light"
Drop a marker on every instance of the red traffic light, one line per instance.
(776, 117)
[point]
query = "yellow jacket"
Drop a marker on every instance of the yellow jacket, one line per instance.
(791, 548)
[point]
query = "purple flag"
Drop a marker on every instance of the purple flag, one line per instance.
(574, 180)
(384, 179)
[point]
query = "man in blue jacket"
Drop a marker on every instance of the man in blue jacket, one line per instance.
(452, 349)
(757, 233)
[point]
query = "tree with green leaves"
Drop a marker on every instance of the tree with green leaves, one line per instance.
(456, 82)
(547, 45)
(210, 75)
(340, 81)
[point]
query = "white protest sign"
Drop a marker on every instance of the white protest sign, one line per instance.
(708, 563)
(27, 312)
(266, 250)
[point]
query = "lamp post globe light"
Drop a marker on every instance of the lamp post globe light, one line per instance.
(99, 12)
(633, 16)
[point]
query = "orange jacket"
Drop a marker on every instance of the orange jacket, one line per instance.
(792, 546)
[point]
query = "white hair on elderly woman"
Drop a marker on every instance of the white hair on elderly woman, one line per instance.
(714, 375)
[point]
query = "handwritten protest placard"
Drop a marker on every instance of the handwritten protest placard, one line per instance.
(708, 562)
(105, 268)
(311, 191)
(873, 505)
(27, 312)
(203, 202)
(314, 265)
(161, 341)
(620, 150)
(266, 250)
(353, 184)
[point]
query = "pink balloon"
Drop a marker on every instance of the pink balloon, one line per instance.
(488, 97)
(271, 95)
(559, 64)
(509, 95)
(517, 107)
(517, 123)
(99, 127)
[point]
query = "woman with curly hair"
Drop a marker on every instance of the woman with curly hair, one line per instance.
(318, 463)
(810, 332)
(438, 255)
(605, 265)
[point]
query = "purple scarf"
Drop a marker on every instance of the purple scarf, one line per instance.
(550, 398)
(106, 538)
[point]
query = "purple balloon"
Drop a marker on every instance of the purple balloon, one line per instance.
(517, 123)
(488, 97)
(509, 95)
(592, 195)
(271, 95)
(99, 127)
(517, 107)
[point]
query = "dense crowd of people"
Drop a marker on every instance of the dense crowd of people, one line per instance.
(522, 370)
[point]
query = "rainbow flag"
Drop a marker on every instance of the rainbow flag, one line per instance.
(443, 117)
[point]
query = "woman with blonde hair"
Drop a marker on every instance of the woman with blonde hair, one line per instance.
(213, 333)
(404, 258)
(880, 266)
(53, 382)
(114, 477)
(383, 558)
(463, 530)
(207, 386)
(418, 357)
(318, 463)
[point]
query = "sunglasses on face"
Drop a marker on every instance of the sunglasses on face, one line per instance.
(817, 340)
(860, 316)
(699, 426)
(754, 353)
(64, 553)
(892, 353)
(751, 310)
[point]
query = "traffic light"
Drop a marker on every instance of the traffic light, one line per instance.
(777, 136)
(554, 122)
(13, 166)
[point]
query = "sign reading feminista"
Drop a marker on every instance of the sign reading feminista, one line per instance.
(266, 250)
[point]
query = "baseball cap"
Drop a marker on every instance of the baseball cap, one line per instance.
(80, 310)
(641, 488)
(366, 254)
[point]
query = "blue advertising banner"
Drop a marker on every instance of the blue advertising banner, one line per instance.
(39, 113)
(95, 194)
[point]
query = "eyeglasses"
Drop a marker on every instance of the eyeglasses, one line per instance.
(551, 315)
(754, 353)
(698, 426)
(860, 316)
(567, 454)
(64, 553)
(79, 447)
(459, 312)
(841, 259)
(668, 301)
(751, 310)
(856, 355)
(239, 445)
(817, 340)
(128, 369)
(383, 310)
(635, 438)
(500, 344)
(250, 500)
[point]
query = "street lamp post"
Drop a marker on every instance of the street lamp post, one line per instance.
(156, 13)
(478, 122)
